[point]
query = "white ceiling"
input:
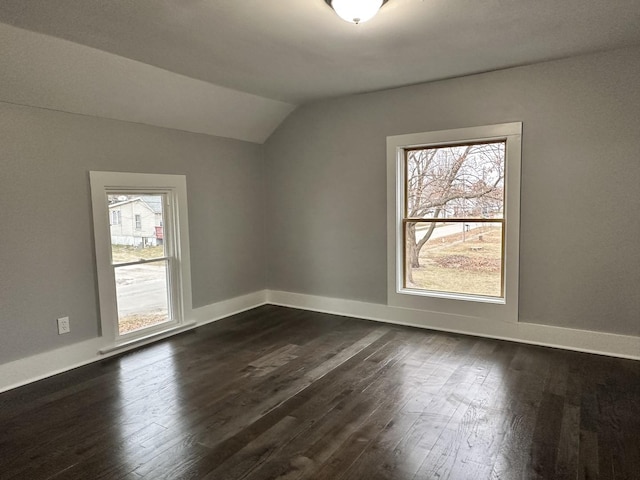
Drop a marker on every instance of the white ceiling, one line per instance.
(298, 50)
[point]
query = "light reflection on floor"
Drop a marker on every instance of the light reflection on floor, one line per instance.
(149, 404)
(430, 425)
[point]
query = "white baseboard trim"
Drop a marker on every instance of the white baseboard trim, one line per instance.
(623, 346)
(36, 367)
(226, 308)
(27, 370)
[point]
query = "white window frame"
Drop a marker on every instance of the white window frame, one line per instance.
(489, 308)
(176, 221)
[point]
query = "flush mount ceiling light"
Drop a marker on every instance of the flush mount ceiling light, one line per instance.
(356, 11)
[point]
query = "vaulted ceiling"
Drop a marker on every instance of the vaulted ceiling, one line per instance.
(296, 51)
(299, 50)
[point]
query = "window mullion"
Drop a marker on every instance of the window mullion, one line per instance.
(141, 261)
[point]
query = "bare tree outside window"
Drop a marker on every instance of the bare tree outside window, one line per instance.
(454, 215)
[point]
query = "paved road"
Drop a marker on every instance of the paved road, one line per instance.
(440, 231)
(451, 229)
(141, 289)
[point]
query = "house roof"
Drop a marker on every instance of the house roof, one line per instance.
(151, 202)
(154, 202)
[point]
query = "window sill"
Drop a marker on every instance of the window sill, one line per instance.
(453, 296)
(152, 337)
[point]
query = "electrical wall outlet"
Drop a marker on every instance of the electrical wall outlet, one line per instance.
(63, 325)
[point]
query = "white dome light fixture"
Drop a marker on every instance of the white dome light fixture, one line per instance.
(356, 11)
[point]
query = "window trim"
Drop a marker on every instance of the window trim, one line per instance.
(490, 308)
(103, 183)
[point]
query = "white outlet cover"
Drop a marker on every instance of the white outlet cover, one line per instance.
(63, 325)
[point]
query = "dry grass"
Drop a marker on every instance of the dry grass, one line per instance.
(124, 253)
(137, 321)
(472, 266)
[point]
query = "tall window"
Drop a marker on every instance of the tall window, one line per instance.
(144, 282)
(454, 219)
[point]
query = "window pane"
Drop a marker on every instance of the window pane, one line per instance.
(137, 230)
(464, 181)
(141, 295)
(463, 258)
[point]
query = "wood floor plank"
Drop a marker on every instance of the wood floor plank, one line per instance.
(568, 443)
(280, 393)
(347, 388)
(463, 416)
(249, 406)
(530, 369)
(546, 437)
(588, 468)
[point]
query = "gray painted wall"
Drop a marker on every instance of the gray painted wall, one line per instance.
(326, 199)
(580, 261)
(47, 266)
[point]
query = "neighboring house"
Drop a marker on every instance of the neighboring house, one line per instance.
(137, 221)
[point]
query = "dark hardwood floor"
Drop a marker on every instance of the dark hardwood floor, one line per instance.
(277, 393)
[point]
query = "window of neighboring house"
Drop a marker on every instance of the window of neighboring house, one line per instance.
(116, 218)
(454, 209)
(143, 292)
